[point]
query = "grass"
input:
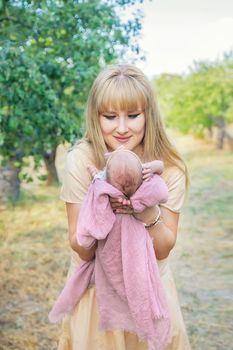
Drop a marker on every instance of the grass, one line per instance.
(203, 254)
(35, 256)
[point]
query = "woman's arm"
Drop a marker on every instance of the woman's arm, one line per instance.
(72, 215)
(164, 234)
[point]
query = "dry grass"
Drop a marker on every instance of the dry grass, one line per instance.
(34, 261)
(35, 256)
(203, 255)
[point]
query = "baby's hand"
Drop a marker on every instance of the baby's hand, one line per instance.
(92, 170)
(153, 167)
(146, 172)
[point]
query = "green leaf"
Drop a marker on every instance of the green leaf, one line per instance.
(48, 61)
(42, 177)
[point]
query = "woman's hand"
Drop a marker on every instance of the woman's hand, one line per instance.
(121, 205)
(92, 170)
(146, 172)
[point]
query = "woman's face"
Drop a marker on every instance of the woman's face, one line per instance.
(125, 128)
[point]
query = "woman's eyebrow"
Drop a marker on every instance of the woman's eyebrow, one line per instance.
(137, 110)
(132, 111)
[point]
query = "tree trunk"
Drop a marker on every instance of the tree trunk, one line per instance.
(9, 183)
(220, 122)
(221, 136)
(49, 159)
(230, 140)
(210, 132)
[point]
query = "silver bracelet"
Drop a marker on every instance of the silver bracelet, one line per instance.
(156, 221)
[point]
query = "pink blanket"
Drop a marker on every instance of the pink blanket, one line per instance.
(129, 291)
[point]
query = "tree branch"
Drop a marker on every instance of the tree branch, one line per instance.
(13, 19)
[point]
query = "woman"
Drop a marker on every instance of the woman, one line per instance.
(122, 110)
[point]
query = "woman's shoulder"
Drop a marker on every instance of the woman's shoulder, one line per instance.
(174, 175)
(81, 151)
(76, 176)
(175, 179)
(172, 170)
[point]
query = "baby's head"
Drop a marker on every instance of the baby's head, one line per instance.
(124, 171)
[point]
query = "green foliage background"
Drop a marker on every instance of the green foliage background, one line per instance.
(50, 52)
(189, 101)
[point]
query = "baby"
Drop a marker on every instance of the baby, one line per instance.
(125, 171)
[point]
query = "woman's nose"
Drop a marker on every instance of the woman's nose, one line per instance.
(122, 126)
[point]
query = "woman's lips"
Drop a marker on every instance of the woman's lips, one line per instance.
(122, 139)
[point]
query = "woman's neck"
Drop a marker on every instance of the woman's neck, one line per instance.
(138, 150)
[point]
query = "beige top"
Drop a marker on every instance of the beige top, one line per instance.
(77, 179)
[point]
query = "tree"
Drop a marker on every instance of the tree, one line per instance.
(50, 51)
(201, 99)
(165, 86)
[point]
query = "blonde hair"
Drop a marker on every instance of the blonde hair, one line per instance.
(125, 87)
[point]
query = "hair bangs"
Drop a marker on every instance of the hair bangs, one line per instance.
(121, 93)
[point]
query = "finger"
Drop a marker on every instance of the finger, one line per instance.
(120, 203)
(145, 166)
(113, 200)
(92, 170)
(146, 176)
(126, 202)
(116, 200)
(121, 206)
(126, 207)
(120, 200)
(146, 171)
(116, 206)
(124, 211)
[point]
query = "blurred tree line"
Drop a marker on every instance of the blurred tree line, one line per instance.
(201, 99)
(50, 52)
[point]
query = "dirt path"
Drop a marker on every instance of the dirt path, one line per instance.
(35, 256)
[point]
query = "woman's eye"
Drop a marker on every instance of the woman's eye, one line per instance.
(132, 116)
(109, 117)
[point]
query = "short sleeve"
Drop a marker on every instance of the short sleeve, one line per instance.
(175, 181)
(76, 176)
